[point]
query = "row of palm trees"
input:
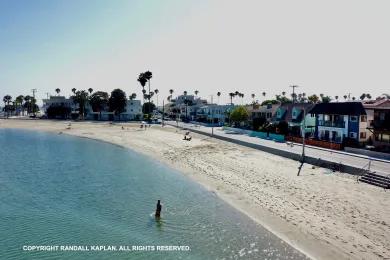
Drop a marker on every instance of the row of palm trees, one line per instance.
(20, 103)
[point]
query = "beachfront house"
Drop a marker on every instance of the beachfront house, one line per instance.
(297, 117)
(184, 107)
(213, 113)
(132, 111)
(340, 122)
(378, 118)
(265, 112)
(58, 107)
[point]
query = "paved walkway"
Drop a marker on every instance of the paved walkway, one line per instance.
(359, 161)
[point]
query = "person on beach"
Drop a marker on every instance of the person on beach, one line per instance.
(158, 209)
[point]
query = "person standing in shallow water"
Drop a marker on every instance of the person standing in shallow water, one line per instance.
(158, 209)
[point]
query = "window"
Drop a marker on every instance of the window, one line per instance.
(353, 118)
(352, 135)
(385, 138)
(362, 135)
(382, 116)
(363, 118)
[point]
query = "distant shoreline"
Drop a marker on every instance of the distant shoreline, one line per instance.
(278, 202)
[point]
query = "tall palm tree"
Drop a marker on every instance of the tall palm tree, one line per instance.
(283, 93)
(171, 91)
(218, 95)
(90, 90)
(253, 97)
(148, 76)
(337, 98)
(156, 92)
(19, 102)
(74, 90)
(353, 98)
(368, 96)
(58, 91)
(241, 95)
(7, 99)
(231, 95)
(185, 92)
(196, 93)
(81, 97)
(345, 97)
(264, 94)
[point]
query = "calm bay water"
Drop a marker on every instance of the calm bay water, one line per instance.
(63, 190)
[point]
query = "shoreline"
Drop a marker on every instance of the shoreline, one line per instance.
(221, 178)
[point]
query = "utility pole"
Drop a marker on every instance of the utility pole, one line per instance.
(212, 116)
(33, 105)
(293, 87)
(303, 141)
(162, 119)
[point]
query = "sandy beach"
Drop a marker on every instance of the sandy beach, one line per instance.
(326, 215)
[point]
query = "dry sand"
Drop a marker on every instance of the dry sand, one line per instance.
(326, 215)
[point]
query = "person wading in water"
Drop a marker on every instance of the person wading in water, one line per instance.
(158, 209)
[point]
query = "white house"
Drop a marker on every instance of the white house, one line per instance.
(213, 113)
(58, 101)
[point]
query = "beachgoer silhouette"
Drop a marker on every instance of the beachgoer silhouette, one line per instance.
(158, 209)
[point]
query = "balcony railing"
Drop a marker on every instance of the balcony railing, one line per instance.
(339, 124)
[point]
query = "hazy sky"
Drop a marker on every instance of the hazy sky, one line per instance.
(331, 47)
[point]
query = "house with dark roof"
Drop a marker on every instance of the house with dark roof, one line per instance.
(338, 122)
(296, 116)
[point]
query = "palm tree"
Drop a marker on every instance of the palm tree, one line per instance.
(196, 93)
(368, 96)
(74, 90)
(81, 98)
(283, 93)
(345, 97)
(98, 101)
(171, 91)
(337, 98)
(185, 93)
(241, 95)
(58, 91)
(148, 76)
(218, 95)
(90, 90)
(353, 98)
(253, 97)
(363, 96)
(132, 96)
(7, 99)
(231, 95)
(19, 102)
(264, 94)
(156, 92)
